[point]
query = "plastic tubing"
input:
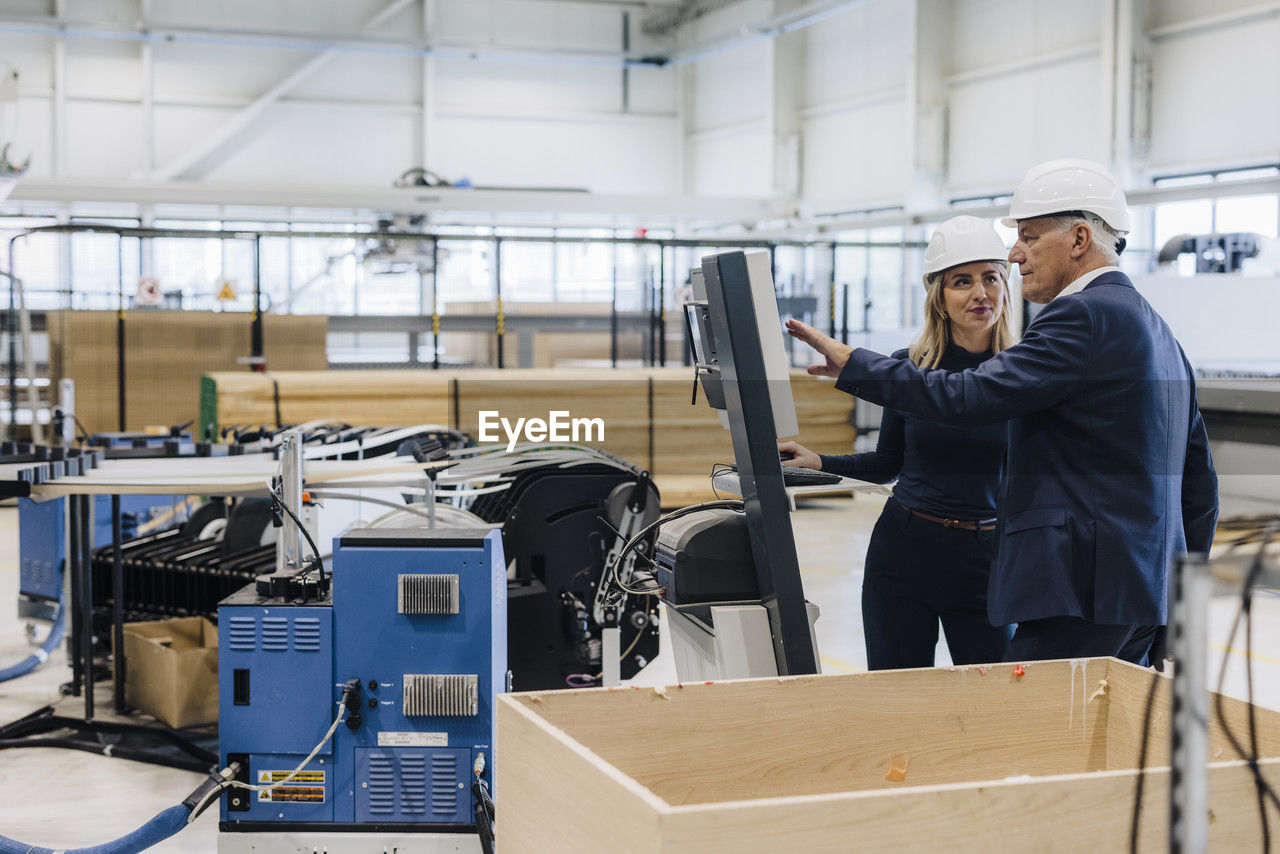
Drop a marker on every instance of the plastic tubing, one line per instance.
(41, 655)
(161, 827)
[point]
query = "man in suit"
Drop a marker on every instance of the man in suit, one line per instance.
(1109, 476)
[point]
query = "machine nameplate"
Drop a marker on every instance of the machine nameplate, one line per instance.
(413, 739)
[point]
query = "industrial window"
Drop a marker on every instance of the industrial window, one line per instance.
(38, 262)
(528, 272)
(465, 271)
(1259, 214)
(852, 284)
(584, 271)
(885, 267)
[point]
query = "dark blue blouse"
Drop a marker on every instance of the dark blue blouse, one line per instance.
(941, 469)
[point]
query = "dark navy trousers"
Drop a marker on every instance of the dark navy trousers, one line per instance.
(917, 573)
(1072, 637)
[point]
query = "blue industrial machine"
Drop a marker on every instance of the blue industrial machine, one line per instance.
(410, 645)
(42, 525)
(42, 542)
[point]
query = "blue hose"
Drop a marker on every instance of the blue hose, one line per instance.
(41, 655)
(161, 827)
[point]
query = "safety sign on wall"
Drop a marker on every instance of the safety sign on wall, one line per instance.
(148, 292)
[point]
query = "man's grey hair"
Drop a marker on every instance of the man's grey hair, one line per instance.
(1106, 240)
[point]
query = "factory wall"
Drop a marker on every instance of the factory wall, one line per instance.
(1020, 81)
(1214, 88)
(728, 111)
(1048, 103)
(356, 118)
(852, 106)
(852, 112)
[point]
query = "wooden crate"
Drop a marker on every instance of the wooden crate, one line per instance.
(989, 761)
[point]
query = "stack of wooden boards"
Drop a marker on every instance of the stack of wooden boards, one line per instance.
(166, 352)
(649, 420)
(526, 345)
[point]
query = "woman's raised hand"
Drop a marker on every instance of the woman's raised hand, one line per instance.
(835, 353)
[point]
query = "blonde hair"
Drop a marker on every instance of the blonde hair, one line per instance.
(926, 351)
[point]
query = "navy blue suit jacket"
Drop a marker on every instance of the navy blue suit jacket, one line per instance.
(1109, 475)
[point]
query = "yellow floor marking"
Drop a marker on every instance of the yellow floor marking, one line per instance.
(837, 664)
(1256, 656)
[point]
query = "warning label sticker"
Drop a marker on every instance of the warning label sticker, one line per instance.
(304, 787)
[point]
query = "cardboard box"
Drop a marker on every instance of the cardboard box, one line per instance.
(171, 670)
(982, 759)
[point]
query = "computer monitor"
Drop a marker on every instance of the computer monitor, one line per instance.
(736, 334)
(744, 274)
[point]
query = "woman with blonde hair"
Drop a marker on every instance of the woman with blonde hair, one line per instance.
(931, 549)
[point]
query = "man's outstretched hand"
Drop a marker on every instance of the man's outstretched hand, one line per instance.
(835, 353)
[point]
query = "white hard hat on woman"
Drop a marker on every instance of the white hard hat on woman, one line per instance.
(962, 240)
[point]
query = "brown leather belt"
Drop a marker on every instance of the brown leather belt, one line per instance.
(962, 524)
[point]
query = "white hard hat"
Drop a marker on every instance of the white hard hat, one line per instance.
(961, 240)
(1060, 186)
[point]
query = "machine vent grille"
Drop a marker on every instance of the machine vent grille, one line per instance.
(427, 594)
(444, 784)
(382, 785)
(413, 784)
(427, 695)
(244, 634)
(275, 634)
(306, 634)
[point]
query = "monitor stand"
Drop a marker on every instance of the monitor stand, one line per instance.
(725, 642)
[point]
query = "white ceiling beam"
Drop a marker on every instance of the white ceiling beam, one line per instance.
(770, 28)
(411, 200)
(1044, 59)
(1138, 196)
(1111, 55)
(59, 97)
(185, 162)
(1233, 18)
(429, 121)
(337, 44)
(148, 95)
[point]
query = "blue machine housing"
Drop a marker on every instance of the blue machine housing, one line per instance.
(42, 542)
(419, 618)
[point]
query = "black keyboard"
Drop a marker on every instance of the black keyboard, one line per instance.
(800, 476)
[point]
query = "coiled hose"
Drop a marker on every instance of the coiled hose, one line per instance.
(161, 827)
(41, 655)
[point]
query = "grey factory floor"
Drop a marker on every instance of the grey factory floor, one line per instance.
(60, 798)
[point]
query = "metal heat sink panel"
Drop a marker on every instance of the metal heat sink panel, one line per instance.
(441, 695)
(427, 594)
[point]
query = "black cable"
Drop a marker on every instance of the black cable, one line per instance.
(1253, 723)
(716, 469)
(485, 799)
(84, 433)
(610, 574)
(1142, 762)
(484, 814)
(1265, 792)
(278, 501)
(1263, 789)
(206, 794)
(112, 750)
(43, 721)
